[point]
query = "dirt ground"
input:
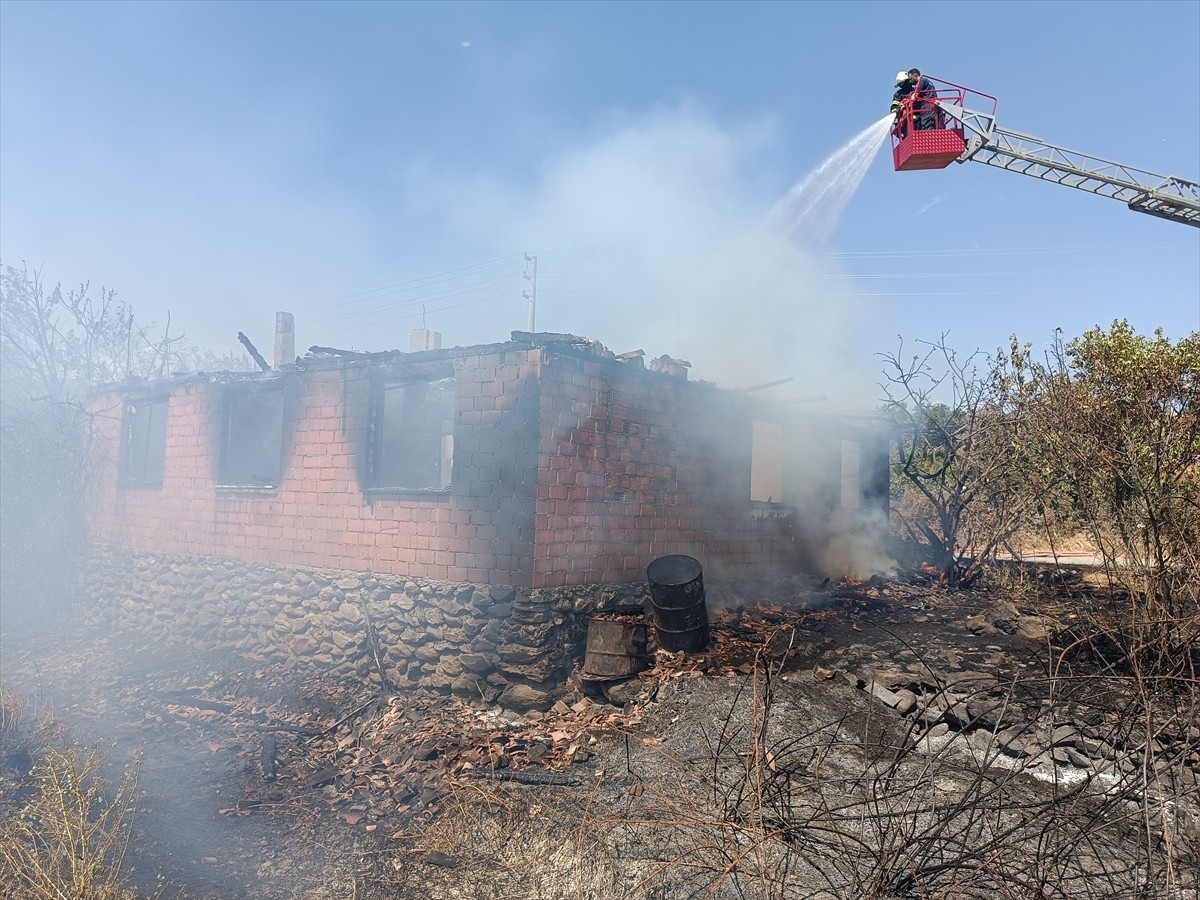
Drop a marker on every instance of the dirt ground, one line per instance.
(745, 771)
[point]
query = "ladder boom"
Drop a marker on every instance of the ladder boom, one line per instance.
(1165, 196)
(1158, 195)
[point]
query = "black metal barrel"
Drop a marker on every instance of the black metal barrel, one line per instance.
(616, 646)
(677, 594)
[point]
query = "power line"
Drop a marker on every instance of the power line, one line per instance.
(410, 301)
(904, 254)
(1032, 292)
(1000, 251)
(399, 288)
(451, 283)
(423, 280)
(853, 276)
(417, 314)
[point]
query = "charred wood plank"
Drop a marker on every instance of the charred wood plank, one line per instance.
(267, 756)
(334, 351)
(548, 337)
(350, 715)
(529, 776)
(185, 698)
(322, 776)
(293, 729)
(373, 644)
(253, 351)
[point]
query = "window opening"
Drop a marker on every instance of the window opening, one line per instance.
(252, 445)
(145, 442)
(766, 463)
(412, 436)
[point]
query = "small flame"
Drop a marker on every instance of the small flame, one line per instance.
(934, 572)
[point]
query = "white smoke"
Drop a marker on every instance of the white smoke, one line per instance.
(651, 235)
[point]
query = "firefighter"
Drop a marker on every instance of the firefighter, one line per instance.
(924, 114)
(903, 89)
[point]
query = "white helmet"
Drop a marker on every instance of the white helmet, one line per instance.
(901, 76)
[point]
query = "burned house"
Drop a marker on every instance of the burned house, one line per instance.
(459, 506)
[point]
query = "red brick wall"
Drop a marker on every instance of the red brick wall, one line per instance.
(568, 469)
(635, 465)
(320, 516)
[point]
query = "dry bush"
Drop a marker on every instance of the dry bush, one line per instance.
(874, 808)
(55, 347)
(68, 841)
(778, 802)
(499, 841)
(970, 451)
(11, 714)
(1123, 413)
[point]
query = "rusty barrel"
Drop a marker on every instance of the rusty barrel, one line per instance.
(677, 594)
(616, 645)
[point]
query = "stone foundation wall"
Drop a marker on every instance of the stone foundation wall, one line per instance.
(511, 645)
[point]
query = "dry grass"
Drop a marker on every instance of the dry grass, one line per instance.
(68, 840)
(776, 803)
(865, 807)
(12, 710)
(500, 841)
(1039, 540)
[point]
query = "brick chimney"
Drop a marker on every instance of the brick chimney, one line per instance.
(285, 339)
(423, 339)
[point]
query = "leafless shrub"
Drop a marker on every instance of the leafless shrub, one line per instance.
(874, 807)
(54, 348)
(968, 448)
(12, 710)
(490, 840)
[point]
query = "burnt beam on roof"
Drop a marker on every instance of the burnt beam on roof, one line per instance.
(253, 351)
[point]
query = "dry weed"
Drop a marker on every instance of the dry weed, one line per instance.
(11, 713)
(68, 841)
(503, 841)
(852, 807)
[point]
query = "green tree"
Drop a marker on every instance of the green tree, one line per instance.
(1125, 413)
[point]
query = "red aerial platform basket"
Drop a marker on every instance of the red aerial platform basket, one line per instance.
(923, 136)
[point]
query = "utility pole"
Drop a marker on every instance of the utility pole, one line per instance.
(530, 293)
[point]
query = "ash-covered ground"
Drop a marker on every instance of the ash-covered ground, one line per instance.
(878, 739)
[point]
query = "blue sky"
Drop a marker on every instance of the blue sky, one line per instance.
(353, 162)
